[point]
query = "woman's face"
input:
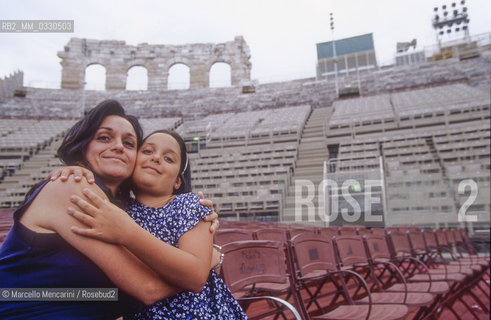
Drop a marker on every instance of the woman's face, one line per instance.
(157, 165)
(112, 152)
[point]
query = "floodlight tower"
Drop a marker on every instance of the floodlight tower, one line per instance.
(331, 18)
(450, 16)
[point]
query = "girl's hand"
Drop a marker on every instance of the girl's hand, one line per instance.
(213, 217)
(104, 220)
(78, 172)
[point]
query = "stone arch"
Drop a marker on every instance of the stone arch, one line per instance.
(137, 77)
(95, 76)
(198, 75)
(220, 74)
(179, 76)
(118, 57)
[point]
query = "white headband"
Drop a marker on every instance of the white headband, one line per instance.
(186, 165)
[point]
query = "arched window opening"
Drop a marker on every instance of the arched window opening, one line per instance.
(137, 78)
(179, 77)
(95, 77)
(220, 75)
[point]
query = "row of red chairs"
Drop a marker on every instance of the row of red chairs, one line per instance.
(330, 273)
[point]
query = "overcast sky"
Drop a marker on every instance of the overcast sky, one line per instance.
(281, 34)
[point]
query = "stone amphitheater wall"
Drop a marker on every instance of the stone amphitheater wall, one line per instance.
(196, 103)
(118, 57)
(10, 83)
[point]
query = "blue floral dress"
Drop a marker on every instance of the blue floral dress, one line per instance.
(169, 223)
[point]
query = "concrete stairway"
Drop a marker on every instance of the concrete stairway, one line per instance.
(312, 152)
(13, 188)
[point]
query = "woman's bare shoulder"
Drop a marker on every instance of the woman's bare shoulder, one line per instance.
(53, 200)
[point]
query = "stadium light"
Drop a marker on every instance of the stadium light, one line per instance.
(331, 18)
(449, 17)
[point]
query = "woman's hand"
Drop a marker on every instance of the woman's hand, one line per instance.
(213, 217)
(78, 172)
(105, 221)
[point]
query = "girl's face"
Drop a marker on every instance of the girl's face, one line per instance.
(112, 152)
(157, 165)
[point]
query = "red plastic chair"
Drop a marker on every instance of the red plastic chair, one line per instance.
(421, 251)
(298, 230)
(379, 231)
(470, 246)
(329, 232)
(352, 254)
(249, 263)
(224, 236)
(348, 230)
(313, 267)
(279, 235)
(437, 268)
(455, 240)
(378, 251)
(274, 234)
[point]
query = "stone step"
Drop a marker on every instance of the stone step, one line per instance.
(290, 216)
(315, 179)
(313, 135)
(309, 168)
(316, 134)
(312, 140)
(312, 146)
(313, 153)
(309, 158)
(292, 191)
(314, 158)
(314, 126)
(308, 131)
(309, 171)
(291, 200)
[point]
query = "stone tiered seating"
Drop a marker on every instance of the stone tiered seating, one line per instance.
(14, 187)
(365, 108)
(6, 221)
(359, 115)
(245, 160)
(465, 156)
(435, 133)
(150, 125)
(415, 183)
(275, 125)
(27, 155)
(430, 100)
(429, 122)
(247, 180)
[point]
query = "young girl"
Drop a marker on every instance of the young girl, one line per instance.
(166, 209)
